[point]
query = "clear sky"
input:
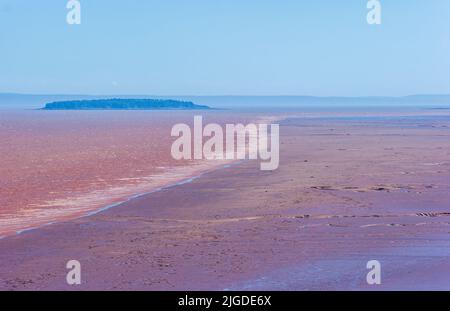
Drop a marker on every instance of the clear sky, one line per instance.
(225, 47)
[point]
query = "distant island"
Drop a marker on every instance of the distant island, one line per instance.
(124, 104)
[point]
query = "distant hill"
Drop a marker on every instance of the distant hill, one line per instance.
(124, 104)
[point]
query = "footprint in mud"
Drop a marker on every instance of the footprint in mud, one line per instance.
(353, 188)
(323, 188)
(433, 214)
(350, 188)
(329, 216)
(377, 188)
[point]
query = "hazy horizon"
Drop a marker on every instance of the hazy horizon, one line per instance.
(34, 101)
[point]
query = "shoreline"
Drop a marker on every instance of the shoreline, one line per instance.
(135, 196)
(184, 180)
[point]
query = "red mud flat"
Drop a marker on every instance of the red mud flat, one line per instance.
(346, 192)
(59, 165)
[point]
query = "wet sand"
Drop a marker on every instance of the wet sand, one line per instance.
(347, 191)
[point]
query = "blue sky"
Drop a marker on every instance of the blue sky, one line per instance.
(225, 47)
